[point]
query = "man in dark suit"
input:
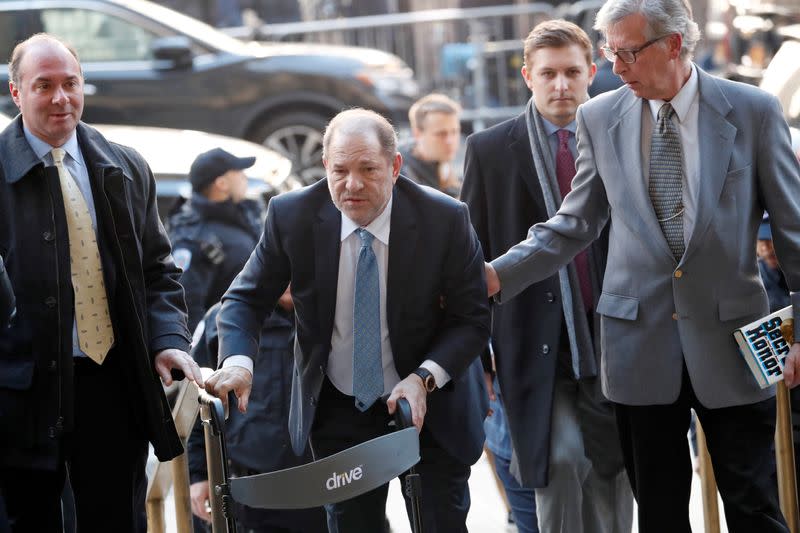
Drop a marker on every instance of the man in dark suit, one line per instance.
(545, 341)
(682, 165)
(375, 315)
(100, 313)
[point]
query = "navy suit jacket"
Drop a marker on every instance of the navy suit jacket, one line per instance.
(436, 302)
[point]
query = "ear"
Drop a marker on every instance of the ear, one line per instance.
(397, 164)
(674, 43)
(222, 183)
(526, 75)
(14, 92)
(592, 72)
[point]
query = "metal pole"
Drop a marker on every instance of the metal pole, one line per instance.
(784, 455)
(477, 31)
(708, 483)
(215, 477)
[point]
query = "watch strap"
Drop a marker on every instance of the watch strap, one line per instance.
(428, 381)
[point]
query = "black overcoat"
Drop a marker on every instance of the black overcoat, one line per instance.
(145, 299)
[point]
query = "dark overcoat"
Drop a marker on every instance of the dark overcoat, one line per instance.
(145, 299)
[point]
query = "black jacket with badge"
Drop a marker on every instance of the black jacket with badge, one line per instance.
(211, 242)
(145, 298)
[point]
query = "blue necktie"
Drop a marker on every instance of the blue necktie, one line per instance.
(367, 364)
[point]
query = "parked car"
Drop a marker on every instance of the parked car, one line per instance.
(147, 65)
(170, 153)
(782, 76)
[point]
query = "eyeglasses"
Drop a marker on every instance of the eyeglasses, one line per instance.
(628, 56)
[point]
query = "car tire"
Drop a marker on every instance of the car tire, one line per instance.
(297, 136)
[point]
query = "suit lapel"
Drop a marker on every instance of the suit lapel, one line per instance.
(327, 242)
(520, 146)
(626, 137)
(402, 254)
(717, 136)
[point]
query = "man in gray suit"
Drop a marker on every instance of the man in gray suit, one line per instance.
(683, 165)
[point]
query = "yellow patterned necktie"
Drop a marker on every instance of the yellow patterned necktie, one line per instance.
(95, 333)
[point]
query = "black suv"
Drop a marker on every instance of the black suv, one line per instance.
(147, 65)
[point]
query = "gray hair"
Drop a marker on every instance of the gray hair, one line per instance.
(663, 17)
(357, 120)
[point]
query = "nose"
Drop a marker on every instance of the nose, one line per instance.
(452, 139)
(59, 96)
(353, 183)
(562, 83)
(619, 66)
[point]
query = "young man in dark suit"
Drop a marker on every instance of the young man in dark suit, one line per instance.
(386, 278)
(546, 343)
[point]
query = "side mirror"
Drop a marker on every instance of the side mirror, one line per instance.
(172, 52)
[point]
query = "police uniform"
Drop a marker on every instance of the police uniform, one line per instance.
(211, 243)
(211, 240)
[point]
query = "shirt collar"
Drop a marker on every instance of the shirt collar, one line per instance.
(682, 101)
(42, 149)
(550, 128)
(379, 227)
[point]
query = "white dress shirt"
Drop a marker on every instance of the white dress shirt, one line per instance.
(340, 358)
(686, 106)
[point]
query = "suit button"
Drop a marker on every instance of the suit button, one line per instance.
(52, 366)
(48, 236)
(545, 349)
(679, 273)
(51, 432)
(550, 297)
(313, 401)
(674, 316)
(50, 301)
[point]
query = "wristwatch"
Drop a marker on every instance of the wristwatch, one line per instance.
(428, 381)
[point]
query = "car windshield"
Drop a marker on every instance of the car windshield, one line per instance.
(182, 24)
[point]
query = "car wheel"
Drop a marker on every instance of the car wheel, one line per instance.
(297, 136)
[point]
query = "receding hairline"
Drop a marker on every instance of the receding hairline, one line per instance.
(36, 43)
(361, 122)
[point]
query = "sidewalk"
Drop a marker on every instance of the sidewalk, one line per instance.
(487, 514)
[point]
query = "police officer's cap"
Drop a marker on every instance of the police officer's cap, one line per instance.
(210, 165)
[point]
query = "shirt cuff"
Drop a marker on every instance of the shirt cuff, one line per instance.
(239, 360)
(440, 375)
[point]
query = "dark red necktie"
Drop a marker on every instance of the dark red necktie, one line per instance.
(565, 171)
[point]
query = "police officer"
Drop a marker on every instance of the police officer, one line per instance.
(215, 231)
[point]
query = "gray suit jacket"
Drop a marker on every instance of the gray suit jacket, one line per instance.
(656, 313)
